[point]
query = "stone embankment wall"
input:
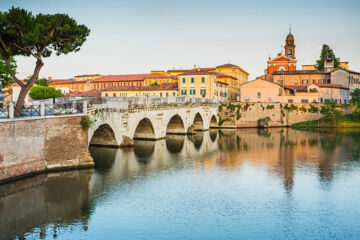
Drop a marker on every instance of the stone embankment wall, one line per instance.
(241, 115)
(38, 145)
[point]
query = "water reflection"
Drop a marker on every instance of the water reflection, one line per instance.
(204, 167)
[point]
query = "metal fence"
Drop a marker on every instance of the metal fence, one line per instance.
(43, 109)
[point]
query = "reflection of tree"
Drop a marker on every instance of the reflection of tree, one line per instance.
(286, 160)
(62, 198)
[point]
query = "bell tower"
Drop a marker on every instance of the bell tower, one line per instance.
(290, 45)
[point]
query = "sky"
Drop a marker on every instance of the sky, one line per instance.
(137, 36)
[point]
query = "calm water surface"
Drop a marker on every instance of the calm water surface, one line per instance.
(244, 184)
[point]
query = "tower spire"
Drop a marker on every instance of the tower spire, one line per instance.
(289, 28)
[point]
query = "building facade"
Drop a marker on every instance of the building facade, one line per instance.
(163, 90)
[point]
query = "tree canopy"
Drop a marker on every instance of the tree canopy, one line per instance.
(38, 36)
(5, 77)
(355, 97)
(40, 81)
(40, 92)
(327, 52)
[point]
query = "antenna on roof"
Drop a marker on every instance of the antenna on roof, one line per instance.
(290, 28)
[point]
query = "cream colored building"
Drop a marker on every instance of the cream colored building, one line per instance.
(164, 90)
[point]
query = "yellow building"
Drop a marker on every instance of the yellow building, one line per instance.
(203, 84)
(163, 90)
(230, 74)
(344, 65)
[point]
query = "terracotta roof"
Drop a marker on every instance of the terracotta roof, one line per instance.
(90, 93)
(189, 70)
(87, 75)
(328, 85)
(228, 65)
(65, 81)
(202, 72)
(131, 77)
(297, 87)
(165, 86)
(295, 72)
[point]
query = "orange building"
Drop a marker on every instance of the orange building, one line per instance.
(284, 62)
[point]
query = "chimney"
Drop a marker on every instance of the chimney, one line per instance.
(194, 66)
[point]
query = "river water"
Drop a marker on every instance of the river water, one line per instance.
(220, 184)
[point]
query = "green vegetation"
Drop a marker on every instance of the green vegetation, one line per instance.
(86, 122)
(355, 97)
(332, 117)
(40, 92)
(326, 52)
(24, 34)
(5, 76)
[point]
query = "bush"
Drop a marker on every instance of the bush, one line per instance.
(40, 92)
(86, 122)
(313, 109)
(330, 112)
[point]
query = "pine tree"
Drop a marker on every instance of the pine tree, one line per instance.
(326, 52)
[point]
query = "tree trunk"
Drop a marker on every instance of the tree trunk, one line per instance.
(25, 88)
(21, 99)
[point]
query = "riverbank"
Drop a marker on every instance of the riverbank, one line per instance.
(346, 121)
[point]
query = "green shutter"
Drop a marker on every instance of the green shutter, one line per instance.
(184, 80)
(192, 80)
(203, 80)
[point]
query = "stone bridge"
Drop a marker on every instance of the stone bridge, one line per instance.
(119, 121)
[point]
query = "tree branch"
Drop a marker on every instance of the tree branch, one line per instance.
(4, 46)
(12, 74)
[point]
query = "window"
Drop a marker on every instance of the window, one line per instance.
(192, 91)
(161, 94)
(290, 100)
(158, 82)
(165, 81)
(203, 92)
(167, 94)
(183, 91)
(106, 94)
(203, 80)
(259, 95)
(314, 81)
(304, 101)
(114, 94)
(173, 94)
(183, 80)
(192, 80)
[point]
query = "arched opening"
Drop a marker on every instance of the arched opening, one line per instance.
(175, 126)
(103, 157)
(197, 139)
(213, 135)
(144, 130)
(104, 136)
(198, 124)
(143, 150)
(213, 121)
(175, 144)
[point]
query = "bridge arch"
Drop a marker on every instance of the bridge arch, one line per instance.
(175, 125)
(144, 130)
(213, 121)
(198, 123)
(104, 136)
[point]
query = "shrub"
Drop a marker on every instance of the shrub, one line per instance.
(86, 122)
(40, 92)
(303, 109)
(313, 109)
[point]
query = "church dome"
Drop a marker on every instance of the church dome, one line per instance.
(290, 39)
